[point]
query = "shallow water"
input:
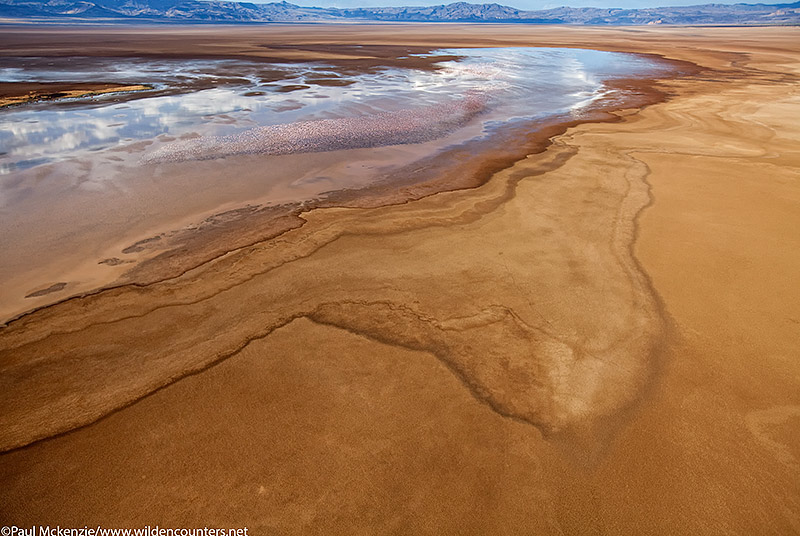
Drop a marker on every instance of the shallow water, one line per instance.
(515, 82)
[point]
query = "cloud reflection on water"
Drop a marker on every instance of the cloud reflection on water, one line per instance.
(523, 82)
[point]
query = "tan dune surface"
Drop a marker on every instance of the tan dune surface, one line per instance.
(603, 338)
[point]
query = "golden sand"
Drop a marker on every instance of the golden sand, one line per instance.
(602, 338)
(15, 94)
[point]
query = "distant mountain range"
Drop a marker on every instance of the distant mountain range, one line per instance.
(189, 11)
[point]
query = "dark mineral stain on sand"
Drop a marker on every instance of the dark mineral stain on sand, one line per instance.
(55, 287)
(114, 261)
(290, 88)
(141, 245)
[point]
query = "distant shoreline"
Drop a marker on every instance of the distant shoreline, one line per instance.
(161, 23)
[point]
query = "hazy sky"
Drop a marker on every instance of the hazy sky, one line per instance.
(526, 4)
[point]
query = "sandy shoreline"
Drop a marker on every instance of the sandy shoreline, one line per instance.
(176, 232)
(601, 338)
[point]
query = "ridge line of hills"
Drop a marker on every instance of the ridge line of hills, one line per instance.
(225, 11)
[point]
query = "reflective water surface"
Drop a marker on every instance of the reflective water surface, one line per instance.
(516, 82)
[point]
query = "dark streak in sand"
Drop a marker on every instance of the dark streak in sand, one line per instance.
(141, 245)
(55, 287)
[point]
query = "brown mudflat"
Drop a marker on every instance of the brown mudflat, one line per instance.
(601, 338)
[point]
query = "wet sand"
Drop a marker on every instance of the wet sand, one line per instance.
(602, 338)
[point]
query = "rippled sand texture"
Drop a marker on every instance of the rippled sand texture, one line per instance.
(601, 339)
